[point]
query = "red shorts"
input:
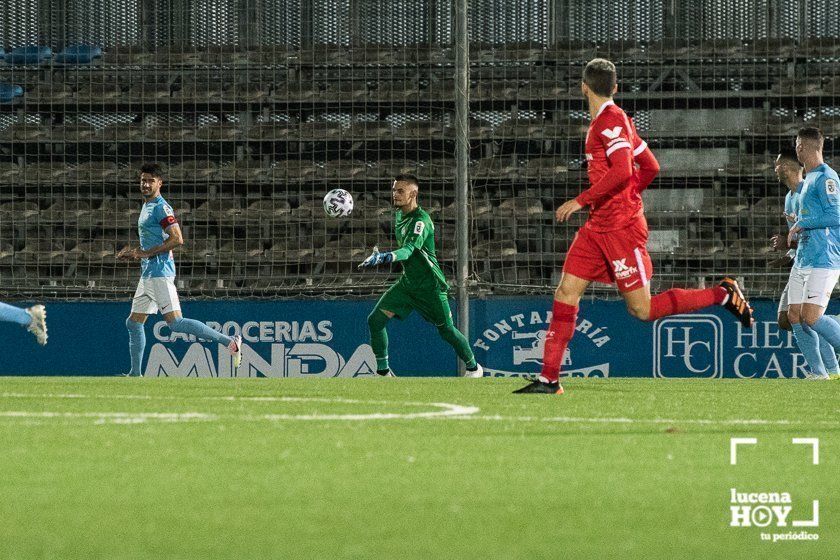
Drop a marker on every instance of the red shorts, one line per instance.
(615, 257)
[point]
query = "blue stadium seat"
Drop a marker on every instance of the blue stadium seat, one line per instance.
(78, 54)
(8, 92)
(31, 54)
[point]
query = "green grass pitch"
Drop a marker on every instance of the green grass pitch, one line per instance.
(409, 468)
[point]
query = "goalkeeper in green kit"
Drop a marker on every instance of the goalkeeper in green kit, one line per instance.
(421, 287)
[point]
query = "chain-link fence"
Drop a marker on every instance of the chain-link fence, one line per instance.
(256, 108)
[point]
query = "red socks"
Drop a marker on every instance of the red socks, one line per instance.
(560, 332)
(677, 301)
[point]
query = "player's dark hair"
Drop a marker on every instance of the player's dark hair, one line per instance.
(789, 154)
(408, 178)
(810, 133)
(152, 169)
(600, 76)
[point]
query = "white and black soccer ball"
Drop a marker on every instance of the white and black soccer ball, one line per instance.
(338, 203)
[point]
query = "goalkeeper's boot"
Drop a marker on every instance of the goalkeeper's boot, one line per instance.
(475, 373)
(38, 325)
(385, 373)
(736, 303)
(539, 386)
(235, 349)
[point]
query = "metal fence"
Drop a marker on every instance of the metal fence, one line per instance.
(256, 108)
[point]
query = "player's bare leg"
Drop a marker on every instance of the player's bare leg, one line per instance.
(560, 332)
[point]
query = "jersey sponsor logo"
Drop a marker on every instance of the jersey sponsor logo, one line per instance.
(830, 186)
(419, 227)
(622, 270)
(612, 133)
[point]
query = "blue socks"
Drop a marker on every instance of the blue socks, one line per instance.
(829, 331)
(12, 314)
(199, 330)
(136, 345)
(809, 342)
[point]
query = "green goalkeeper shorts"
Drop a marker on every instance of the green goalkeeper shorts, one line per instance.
(433, 305)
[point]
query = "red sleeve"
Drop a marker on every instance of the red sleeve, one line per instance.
(621, 170)
(648, 168)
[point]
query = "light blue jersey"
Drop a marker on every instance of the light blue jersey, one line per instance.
(155, 218)
(819, 217)
(792, 208)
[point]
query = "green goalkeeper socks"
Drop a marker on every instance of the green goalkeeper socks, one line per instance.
(379, 338)
(459, 342)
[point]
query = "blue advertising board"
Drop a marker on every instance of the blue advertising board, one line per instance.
(330, 339)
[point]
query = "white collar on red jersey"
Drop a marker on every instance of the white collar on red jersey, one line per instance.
(604, 106)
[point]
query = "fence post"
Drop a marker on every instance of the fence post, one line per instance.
(462, 161)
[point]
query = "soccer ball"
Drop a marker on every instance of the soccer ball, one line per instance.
(338, 203)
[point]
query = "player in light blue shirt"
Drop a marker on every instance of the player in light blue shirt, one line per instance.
(159, 234)
(816, 268)
(789, 171)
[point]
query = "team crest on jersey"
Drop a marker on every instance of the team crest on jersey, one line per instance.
(830, 186)
(419, 227)
(612, 133)
(168, 210)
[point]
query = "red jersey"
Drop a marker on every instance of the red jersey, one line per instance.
(611, 132)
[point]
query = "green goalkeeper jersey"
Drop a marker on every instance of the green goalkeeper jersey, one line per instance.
(416, 239)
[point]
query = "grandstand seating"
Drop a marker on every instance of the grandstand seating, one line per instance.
(252, 138)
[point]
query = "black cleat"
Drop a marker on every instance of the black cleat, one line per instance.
(385, 373)
(736, 303)
(537, 386)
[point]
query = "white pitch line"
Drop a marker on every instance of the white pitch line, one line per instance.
(620, 420)
(449, 410)
(113, 417)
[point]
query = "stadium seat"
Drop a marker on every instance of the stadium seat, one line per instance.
(344, 169)
(18, 211)
(370, 130)
(176, 132)
(217, 210)
(821, 47)
(772, 47)
(224, 55)
(9, 173)
(272, 209)
(199, 92)
(44, 173)
(28, 55)
(122, 132)
(573, 50)
(663, 200)
(243, 171)
(291, 171)
(129, 55)
(50, 92)
(94, 172)
(396, 91)
(797, 86)
(494, 249)
(26, 132)
(99, 250)
(219, 131)
(495, 168)
(70, 133)
(65, 211)
(40, 252)
(545, 167)
(193, 170)
(8, 92)
(78, 54)
(148, 92)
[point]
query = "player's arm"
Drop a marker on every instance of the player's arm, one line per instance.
(176, 239)
(412, 242)
(829, 197)
(621, 170)
(648, 167)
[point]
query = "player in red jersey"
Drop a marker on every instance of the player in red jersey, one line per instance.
(611, 246)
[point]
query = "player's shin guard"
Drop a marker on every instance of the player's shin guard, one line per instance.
(459, 342)
(379, 338)
(199, 330)
(136, 345)
(809, 342)
(560, 332)
(14, 314)
(676, 301)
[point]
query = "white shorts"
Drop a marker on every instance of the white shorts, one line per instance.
(155, 294)
(783, 300)
(811, 285)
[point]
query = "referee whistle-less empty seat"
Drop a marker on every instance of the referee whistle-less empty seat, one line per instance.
(30, 54)
(8, 92)
(78, 54)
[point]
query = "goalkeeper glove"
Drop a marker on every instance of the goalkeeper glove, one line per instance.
(377, 258)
